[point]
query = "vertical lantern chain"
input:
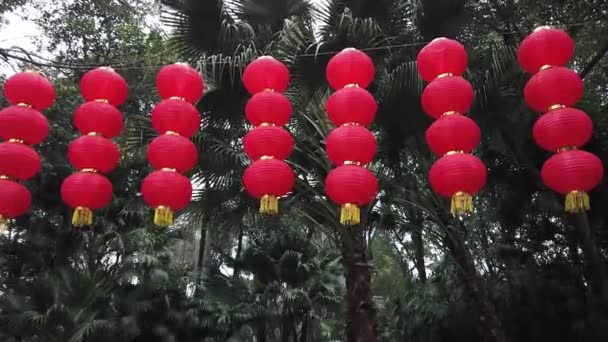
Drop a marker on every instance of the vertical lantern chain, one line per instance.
(456, 174)
(552, 91)
(21, 126)
(351, 145)
(172, 153)
(268, 144)
(94, 153)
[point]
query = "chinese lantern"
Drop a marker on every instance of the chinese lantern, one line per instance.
(456, 174)
(351, 145)
(21, 125)
(172, 153)
(268, 177)
(552, 91)
(94, 153)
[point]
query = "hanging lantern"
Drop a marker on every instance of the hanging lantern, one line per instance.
(174, 115)
(442, 56)
(23, 123)
(268, 107)
(29, 88)
(94, 153)
(85, 192)
(267, 180)
(447, 95)
(19, 161)
(553, 88)
(351, 104)
(98, 117)
(453, 133)
(573, 173)
(179, 81)
(350, 68)
(104, 85)
(15, 200)
(172, 153)
(458, 176)
(545, 47)
(351, 187)
(268, 177)
(269, 141)
(351, 144)
(167, 192)
(562, 128)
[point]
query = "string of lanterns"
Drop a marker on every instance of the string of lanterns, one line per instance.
(172, 153)
(268, 144)
(93, 153)
(351, 145)
(21, 126)
(552, 91)
(457, 174)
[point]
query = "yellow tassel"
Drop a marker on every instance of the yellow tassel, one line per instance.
(3, 224)
(350, 215)
(82, 217)
(163, 216)
(269, 205)
(462, 204)
(577, 201)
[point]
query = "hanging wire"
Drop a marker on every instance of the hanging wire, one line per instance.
(25, 56)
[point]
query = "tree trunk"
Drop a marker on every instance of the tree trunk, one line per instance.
(239, 250)
(594, 263)
(201, 247)
(361, 318)
(206, 260)
(490, 326)
(419, 253)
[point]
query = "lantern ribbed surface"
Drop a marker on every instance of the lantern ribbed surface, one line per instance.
(21, 125)
(448, 96)
(552, 91)
(268, 178)
(351, 145)
(93, 153)
(172, 153)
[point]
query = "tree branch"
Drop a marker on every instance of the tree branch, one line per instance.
(594, 61)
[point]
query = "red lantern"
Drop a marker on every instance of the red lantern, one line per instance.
(85, 192)
(453, 133)
(266, 73)
(15, 199)
(269, 141)
(563, 127)
(30, 88)
(167, 192)
(18, 161)
(93, 153)
(350, 145)
(553, 88)
(350, 67)
(268, 107)
(179, 81)
(573, 173)
(546, 46)
(441, 56)
(351, 187)
(458, 176)
(452, 94)
(176, 116)
(267, 180)
(98, 117)
(170, 151)
(351, 105)
(104, 85)
(23, 123)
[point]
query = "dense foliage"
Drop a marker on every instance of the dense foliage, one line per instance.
(519, 269)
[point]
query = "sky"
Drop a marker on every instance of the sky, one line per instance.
(17, 32)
